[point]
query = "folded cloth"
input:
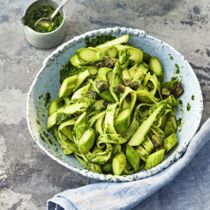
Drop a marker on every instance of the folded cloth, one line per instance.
(123, 196)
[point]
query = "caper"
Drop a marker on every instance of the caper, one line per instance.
(105, 103)
(102, 85)
(109, 62)
(134, 85)
(92, 94)
(177, 90)
(119, 88)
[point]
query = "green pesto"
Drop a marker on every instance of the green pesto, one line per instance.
(43, 101)
(37, 121)
(61, 117)
(41, 112)
(188, 106)
(64, 72)
(43, 12)
(68, 70)
(101, 39)
(174, 78)
(179, 122)
(177, 69)
(171, 57)
(42, 137)
(45, 138)
(47, 99)
(41, 96)
(45, 135)
(180, 101)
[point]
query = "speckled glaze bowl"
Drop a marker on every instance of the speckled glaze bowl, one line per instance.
(43, 40)
(47, 83)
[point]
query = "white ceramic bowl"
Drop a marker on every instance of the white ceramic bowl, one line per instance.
(47, 81)
(43, 40)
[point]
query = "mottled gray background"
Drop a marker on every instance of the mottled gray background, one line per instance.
(28, 177)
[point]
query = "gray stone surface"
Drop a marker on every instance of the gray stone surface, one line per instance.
(27, 176)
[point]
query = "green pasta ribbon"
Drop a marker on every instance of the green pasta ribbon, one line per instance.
(114, 112)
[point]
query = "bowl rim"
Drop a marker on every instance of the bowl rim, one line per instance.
(108, 177)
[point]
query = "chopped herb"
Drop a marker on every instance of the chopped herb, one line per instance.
(193, 97)
(45, 134)
(47, 99)
(45, 137)
(40, 96)
(188, 106)
(170, 56)
(94, 41)
(174, 78)
(68, 70)
(179, 122)
(61, 117)
(180, 101)
(42, 138)
(64, 72)
(177, 69)
(73, 71)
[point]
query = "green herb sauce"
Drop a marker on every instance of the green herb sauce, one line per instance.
(180, 102)
(47, 99)
(94, 41)
(44, 136)
(68, 70)
(170, 56)
(41, 96)
(43, 12)
(42, 104)
(177, 69)
(179, 122)
(174, 78)
(188, 106)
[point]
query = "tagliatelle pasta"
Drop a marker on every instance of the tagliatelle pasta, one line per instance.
(114, 111)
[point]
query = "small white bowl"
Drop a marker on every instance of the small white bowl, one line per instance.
(43, 40)
(47, 81)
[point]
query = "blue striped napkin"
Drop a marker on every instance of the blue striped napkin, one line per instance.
(124, 196)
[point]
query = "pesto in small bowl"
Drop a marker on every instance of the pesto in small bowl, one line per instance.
(43, 12)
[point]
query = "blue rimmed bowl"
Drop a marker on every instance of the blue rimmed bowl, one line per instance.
(47, 84)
